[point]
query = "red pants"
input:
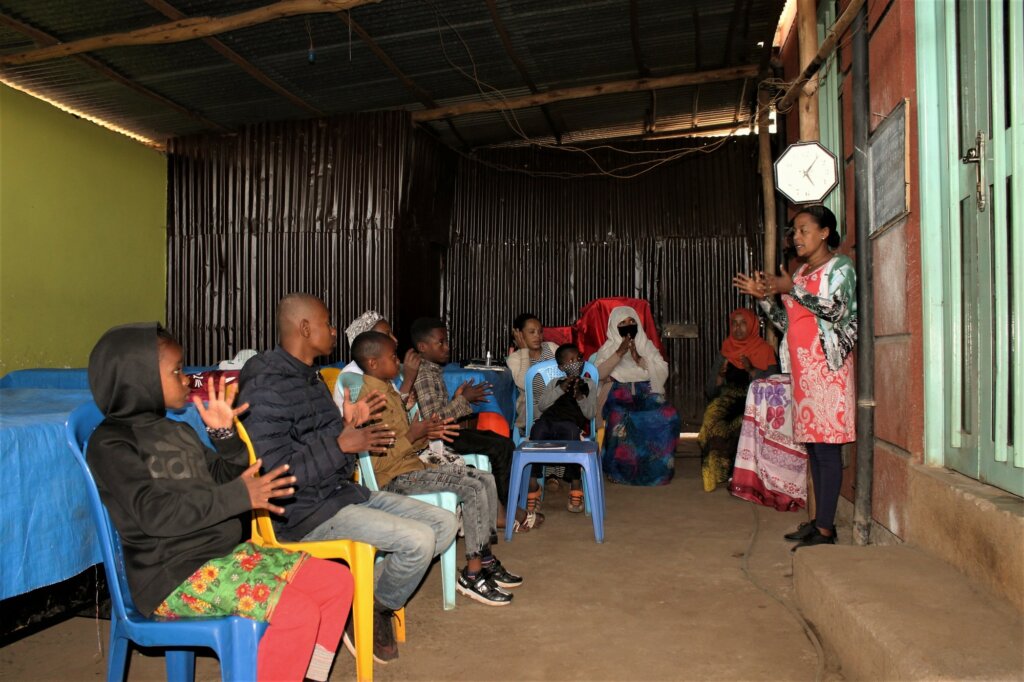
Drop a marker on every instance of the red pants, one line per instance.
(312, 610)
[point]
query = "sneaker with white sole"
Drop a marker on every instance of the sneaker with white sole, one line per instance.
(500, 576)
(481, 589)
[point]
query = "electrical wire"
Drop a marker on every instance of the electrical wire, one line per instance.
(809, 632)
(510, 118)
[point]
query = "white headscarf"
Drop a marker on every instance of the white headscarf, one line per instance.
(363, 323)
(627, 370)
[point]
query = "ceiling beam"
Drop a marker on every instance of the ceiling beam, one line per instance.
(425, 98)
(581, 92)
(506, 41)
(185, 29)
(172, 12)
(44, 38)
(827, 46)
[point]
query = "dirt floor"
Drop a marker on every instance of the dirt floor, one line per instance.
(665, 597)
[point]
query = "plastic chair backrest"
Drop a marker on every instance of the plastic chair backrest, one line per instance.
(548, 370)
(366, 475)
(330, 376)
(81, 423)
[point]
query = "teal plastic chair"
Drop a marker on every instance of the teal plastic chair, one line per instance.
(234, 640)
(444, 500)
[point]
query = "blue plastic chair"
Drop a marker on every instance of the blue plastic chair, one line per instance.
(444, 500)
(548, 370)
(234, 640)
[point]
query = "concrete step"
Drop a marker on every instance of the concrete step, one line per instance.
(897, 613)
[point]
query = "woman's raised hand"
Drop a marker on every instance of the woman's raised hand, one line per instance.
(264, 488)
(750, 285)
(520, 340)
(218, 413)
(624, 347)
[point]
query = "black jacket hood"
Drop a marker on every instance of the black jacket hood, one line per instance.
(124, 373)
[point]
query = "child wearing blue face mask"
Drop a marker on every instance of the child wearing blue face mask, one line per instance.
(567, 405)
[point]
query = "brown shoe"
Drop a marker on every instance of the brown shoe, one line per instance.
(385, 646)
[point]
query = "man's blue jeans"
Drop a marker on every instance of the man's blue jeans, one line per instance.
(410, 532)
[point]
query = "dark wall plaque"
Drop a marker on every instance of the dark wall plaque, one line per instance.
(887, 157)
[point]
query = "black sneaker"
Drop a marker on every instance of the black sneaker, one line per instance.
(501, 577)
(482, 590)
(385, 647)
(803, 531)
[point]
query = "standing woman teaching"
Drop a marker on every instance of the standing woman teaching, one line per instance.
(819, 318)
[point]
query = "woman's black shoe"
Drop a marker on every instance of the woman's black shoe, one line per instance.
(803, 531)
(816, 539)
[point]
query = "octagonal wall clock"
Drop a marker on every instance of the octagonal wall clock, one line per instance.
(806, 172)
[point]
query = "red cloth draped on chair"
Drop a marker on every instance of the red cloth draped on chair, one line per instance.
(592, 326)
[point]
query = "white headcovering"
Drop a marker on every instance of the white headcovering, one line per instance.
(363, 323)
(241, 357)
(627, 369)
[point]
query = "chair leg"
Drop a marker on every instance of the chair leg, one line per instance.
(514, 484)
(400, 625)
(592, 493)
(117, 657)
(448, 577)
(181, 666)
(362, 610)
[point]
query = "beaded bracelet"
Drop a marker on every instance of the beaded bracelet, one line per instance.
(220, 434)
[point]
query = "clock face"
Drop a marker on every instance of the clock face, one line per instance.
(806, 172)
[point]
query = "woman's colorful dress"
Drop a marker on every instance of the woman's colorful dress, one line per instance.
(824, 403)
(641, 431)
(771, 468)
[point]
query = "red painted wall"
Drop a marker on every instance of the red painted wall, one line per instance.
(896, 252)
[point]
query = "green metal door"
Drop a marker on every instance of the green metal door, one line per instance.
(985, 267)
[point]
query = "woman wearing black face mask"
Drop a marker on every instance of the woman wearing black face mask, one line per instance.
(641, 429)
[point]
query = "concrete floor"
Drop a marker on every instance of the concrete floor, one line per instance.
(664, 598)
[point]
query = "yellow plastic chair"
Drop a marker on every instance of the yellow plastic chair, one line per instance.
(358, 555)
(330, 375)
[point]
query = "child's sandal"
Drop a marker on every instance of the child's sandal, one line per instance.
(533, 500)
(575, 503)
(532, 520)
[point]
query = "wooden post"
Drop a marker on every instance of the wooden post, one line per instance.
(807, 33)
(764, 144)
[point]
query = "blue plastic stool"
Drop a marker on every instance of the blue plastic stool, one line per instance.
(235, 640)
(582, 452)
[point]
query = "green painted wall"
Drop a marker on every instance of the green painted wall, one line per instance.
(82, 233)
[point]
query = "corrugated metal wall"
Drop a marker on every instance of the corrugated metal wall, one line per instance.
(674, 236)
(301, 206)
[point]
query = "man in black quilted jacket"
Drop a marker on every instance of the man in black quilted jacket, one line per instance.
(295, 421)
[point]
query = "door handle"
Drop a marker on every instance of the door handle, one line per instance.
(976, 155)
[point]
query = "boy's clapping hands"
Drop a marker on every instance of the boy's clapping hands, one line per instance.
(218, 413)
(434, 428)
(359, 412)
(264, 488)
(474, 393)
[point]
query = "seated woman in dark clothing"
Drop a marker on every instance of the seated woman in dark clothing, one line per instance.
(745, 356)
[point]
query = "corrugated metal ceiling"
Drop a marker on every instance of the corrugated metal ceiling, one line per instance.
(560, 44)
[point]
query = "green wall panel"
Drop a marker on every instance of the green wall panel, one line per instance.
(82, 233)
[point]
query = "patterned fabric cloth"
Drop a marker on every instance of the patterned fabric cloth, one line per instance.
(770, 468)
(833, 302)
(719, 434)
(824, 403)
(248, 583)
(363, 323)
(641, 431)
